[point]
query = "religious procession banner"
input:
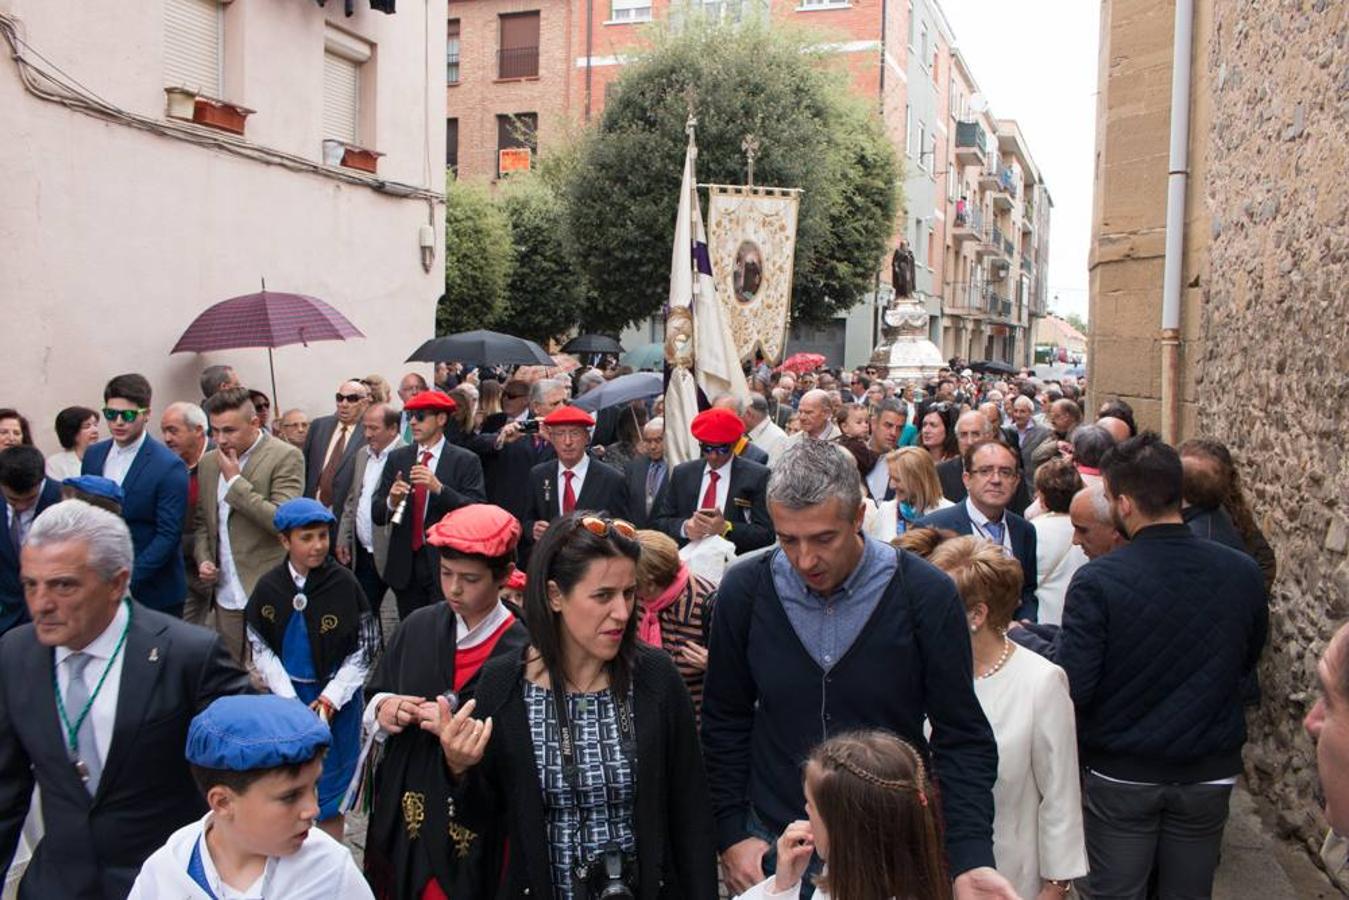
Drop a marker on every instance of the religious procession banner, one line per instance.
(752, 242)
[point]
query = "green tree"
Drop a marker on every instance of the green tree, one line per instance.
(479, 259)
(623, 190)
(1076, 321)
(546, 290)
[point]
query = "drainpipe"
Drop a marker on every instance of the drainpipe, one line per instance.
(590, 53)
(876, 311)
(1177, 177)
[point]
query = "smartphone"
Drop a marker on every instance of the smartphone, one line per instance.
(709, 511)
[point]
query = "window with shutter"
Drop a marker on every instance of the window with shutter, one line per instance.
(452, 53)
(193, 33)
(519, 53)
(341, 93)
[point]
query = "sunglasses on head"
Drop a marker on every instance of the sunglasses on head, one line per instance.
(600, 527)
(349, 398)
(715, 448)
(126, 415)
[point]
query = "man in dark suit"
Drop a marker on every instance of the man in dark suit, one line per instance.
(1029, 435)
(510, 447)
(718, 494)
(114, 784)
(331, 446)
(971, 428)
(433, 477)
(154, 490)
(646, 473)
(991, 477)
(27, 492)
(574, 480)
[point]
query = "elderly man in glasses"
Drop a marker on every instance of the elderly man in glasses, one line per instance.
(721, 494)
(991, 478)
(331, 446)
(154, 487)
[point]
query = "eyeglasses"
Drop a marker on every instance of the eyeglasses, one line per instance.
(990, 471)
(715, 448)
(600, 527)
(349, 398)
(126, 415)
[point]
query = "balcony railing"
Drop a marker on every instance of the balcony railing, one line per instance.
(452, 68)
(970, 143)
(1000, 242)
(1007, 179)
(518, 62)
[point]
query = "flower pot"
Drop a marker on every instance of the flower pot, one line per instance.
(181, 103)
(360, 158)
(225, 116)
(333, 152)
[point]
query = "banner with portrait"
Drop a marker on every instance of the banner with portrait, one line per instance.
(752, 243)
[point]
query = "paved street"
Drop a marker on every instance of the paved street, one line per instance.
(1256, 864)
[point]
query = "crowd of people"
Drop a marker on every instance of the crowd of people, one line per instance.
(972, 641)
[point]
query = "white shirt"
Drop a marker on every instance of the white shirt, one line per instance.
(1056, 560)
(25, 517)
(433, 463)
(980, 523)
(578, 480)
(340, 431)
(63, 465)
(229, 593)
(723, 485)
(120, 459)
(374, 470)
(103, 713)
(769, 437)
(322, 869)
(878, 481)
(340, 688)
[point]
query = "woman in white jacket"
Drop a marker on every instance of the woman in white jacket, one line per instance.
(913, 476)
(1056, 557)
(1038, 841)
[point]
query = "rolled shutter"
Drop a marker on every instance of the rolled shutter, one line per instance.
(341, 89)
(192, 38)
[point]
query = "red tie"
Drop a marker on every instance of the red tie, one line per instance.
(568, 495)
(419, 508)
(710, 498)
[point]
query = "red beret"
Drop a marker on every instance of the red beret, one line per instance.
(435, 401)
(569, 415)
(516, 582)
(717, 426)
(477, 528)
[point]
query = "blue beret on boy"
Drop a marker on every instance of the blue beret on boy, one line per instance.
(300, 512)
(96, 485)
(255, 731)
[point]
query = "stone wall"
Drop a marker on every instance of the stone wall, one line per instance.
(1272, 379)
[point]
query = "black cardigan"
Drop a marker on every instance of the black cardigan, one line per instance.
(501, 801)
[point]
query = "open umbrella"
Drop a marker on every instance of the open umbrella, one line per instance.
(802, 362)
(992, 365)
(647, 356)
(623, 389)
(592, 343)
(265, 319)
(482, 348)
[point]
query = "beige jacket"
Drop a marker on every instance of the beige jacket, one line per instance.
(274, 474)
(346, 531)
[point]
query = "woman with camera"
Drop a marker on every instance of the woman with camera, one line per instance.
(581, 755)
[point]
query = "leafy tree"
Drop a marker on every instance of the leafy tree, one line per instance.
(546, 290)
(479, 259)
(813, 135)
(1076, 321)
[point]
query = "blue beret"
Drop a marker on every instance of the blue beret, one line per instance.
(96, 485)
(255, 731)
(300, 512)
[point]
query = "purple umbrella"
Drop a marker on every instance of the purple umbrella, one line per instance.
(265, 319)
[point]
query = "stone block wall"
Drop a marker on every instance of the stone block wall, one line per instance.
(1272, 379)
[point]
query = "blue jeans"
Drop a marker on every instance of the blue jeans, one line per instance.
(756, 827)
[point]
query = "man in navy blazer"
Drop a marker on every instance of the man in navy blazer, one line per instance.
(991, 478)
(27, 491)
(574, 480)
(154, 489)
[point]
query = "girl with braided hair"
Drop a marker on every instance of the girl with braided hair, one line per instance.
(870, 818)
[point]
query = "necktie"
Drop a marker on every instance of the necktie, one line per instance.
(330, 468)
(77, 697)
(710, 496)
(994, 530)
(654, 472)
(419, 508)
(16, 531)
(568, 495)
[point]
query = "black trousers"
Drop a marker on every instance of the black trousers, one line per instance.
(369, 579)
(423, 588)
(1130, 828)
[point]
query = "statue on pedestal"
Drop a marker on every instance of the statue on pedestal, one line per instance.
(902, 274)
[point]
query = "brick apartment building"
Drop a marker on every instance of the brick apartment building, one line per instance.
(522, 74)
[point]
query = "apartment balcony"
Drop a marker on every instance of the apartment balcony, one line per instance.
(1026, 265)
(968, 226)
(967, 300)
(990, 243)
(1027, 220)
(518, 62)
(1008, 248)
(970, 143)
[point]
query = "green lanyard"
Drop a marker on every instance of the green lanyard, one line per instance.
(73, 731)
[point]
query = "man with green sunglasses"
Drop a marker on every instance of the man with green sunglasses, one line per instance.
(154, 488)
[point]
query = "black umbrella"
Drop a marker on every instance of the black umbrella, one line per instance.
(482, 348)
(623, 389)
(992, 365)
(592, 343)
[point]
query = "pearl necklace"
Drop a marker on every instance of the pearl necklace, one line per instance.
(1002, 660)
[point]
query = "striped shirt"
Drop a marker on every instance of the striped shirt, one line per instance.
(682, 623)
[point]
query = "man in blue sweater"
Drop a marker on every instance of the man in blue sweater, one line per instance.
(1158, 639)
(834, 632)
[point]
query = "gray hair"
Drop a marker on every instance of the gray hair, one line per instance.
(655, 423)
(192, 414)
(890, 405)
(213, 377)
(736, 404)
(589, 378)
(108, 538)
(758, 404)
(810, 472)
(1090, 443)
(1025, 401)
(539, 390)
(1100, 505)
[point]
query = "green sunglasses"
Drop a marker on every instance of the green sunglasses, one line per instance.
(126, 415)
